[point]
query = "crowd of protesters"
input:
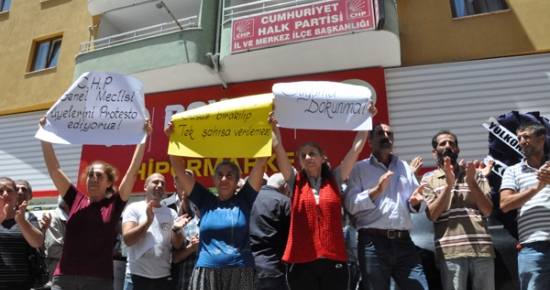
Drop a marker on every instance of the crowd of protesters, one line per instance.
(288, 231)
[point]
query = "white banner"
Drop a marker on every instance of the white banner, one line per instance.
(503, 134)
(322, 106)
(100, 108)
(498, 168)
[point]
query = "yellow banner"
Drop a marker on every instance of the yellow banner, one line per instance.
(231, 128)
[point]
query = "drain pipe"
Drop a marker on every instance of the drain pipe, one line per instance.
(91, 30)
(215, 61)
(215, 58)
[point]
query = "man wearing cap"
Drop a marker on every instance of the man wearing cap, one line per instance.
(382, 192)
(150, 230)
(183, 259)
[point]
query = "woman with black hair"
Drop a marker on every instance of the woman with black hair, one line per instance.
(87, 257)
(315, 251)
(225, 260)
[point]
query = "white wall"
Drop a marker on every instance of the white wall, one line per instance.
(461, 96)
(21, 154)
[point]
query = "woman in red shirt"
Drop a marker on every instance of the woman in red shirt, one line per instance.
(315, 251)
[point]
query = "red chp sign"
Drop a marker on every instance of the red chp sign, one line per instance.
(301, 23)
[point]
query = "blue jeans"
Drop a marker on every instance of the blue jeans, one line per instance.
(454, 273)
(534, 266)
(381, 259)
(128, 284)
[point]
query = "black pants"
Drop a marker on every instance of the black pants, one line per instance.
(143, 283)
(271, 283)
(321, 274)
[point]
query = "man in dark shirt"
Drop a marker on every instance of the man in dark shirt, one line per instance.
(269, 225)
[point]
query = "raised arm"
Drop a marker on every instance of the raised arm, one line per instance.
(282, 159)
(353, 154)
(177, 237)
(184, 252)
(3, 209)
(356, 148)
(438, 206)
(187, 182)
(60, 180)
(482, 201)
(416, 164)
(255, 178)
(45, 222)
(487, 168)
(32, 235)
(131, 175)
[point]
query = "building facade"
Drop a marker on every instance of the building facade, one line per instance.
(39, 42)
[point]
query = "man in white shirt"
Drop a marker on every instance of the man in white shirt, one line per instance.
(383, 192)
(525, 188)
(150, 230)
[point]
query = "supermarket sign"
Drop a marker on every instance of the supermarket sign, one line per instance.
(301, 23)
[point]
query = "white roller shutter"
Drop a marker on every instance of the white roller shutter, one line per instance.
(21, 154)
(460, 97)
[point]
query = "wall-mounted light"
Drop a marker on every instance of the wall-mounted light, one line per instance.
(161, 5)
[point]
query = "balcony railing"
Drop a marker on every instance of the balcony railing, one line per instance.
(142, 33)
(261, 6)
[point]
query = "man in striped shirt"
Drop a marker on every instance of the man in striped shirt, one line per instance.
(525, 187)
(458, 200)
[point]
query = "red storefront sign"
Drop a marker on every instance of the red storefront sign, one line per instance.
(161, 107)
(301, 23)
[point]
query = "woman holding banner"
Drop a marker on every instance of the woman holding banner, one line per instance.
(315, 251)
(225, 260)
(87, 257)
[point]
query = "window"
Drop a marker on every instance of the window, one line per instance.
(463, 8)
(5, 5)
(46, 54)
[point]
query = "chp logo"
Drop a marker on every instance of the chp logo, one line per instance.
(357, 9)
(243, 28)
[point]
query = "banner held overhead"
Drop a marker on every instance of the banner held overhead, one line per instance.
(230, 128)
(322, 106)
(100, 108)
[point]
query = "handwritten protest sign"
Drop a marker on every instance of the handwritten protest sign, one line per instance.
(100, 108)
(231, 128)
(322, 106)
